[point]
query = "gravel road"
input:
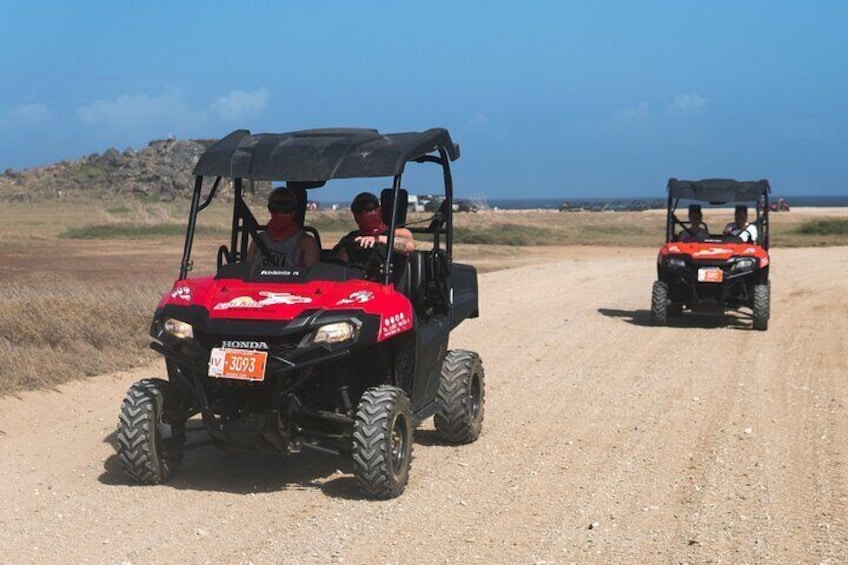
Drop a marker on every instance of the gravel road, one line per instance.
(605, 441)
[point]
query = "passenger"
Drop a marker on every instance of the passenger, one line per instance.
(285, 242)
(740, 227)
(357, 247)
(697, 230)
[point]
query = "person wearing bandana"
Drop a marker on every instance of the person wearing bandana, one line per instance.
(358, 246)
(285, 244)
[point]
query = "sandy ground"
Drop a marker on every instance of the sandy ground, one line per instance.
(605, 441)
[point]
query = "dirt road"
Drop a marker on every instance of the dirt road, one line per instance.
(605, 441)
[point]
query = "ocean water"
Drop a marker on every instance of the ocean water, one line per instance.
(637, 203)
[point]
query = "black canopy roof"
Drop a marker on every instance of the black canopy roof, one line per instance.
(318, 155)
(718, 190)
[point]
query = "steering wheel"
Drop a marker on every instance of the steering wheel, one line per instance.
(223, 253)
(375, 266)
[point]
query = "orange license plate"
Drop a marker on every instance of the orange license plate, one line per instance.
(710, 275)
(241, 364)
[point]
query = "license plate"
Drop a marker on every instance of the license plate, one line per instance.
(241, 364)
(710, 275)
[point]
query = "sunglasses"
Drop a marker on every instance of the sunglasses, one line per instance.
(364, 207)
(284, 206)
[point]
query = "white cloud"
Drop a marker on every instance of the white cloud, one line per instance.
(239, 104)
(131, 117)
(135, 109)
(29, 113)
(687, 102)
(632, 120)
(479, 119)
(637, 116)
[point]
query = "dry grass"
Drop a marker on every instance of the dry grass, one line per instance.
(57, 331)
(70, 308)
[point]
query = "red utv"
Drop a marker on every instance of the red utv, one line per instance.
(335, 357)
(717, 271)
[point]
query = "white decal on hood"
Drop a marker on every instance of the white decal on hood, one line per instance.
(183, 292)
(360, 296)
(270, 298)
(711, 251)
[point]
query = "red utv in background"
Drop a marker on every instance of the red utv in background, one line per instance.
(721, 271)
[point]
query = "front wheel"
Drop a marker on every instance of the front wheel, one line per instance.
(659, 304)
(462, 394)
(150, 434)
(761, 307)
(382, 441)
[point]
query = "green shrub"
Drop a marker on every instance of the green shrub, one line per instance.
(830, 226)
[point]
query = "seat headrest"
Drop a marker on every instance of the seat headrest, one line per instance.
(386, 205)
(300, 215)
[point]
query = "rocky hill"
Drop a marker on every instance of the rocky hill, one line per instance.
(160, 171)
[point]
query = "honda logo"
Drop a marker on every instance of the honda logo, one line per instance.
(234, 344)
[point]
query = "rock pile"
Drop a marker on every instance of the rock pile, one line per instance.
(162, 171)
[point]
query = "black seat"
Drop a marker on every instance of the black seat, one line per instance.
(386, 205)
(300, 215)
(412, 281)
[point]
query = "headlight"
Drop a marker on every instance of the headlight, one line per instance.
(338, 332)
(742, 265)
(179, 329)
(676, 263)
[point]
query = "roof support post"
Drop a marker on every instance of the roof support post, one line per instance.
(185, 264)
(390, 240)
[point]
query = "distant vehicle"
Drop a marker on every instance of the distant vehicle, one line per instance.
(721, 271)
(464, 206)
(780, 206)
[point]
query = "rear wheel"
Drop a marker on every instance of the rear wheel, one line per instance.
(462, 395)
(761, 307)
(150, 434)
(382, 441)
(659, 304)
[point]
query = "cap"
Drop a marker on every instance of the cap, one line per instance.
(280, 191)
(364, 201)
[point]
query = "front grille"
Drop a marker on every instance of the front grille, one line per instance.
(278, 347)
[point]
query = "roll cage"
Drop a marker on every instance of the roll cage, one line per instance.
(719, 192)
(306, 160)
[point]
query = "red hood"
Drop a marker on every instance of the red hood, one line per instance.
(705, 251)
(234, 299)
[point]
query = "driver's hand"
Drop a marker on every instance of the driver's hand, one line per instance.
(366, 241)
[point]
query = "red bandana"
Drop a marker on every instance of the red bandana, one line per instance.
(370, 223)
(282, 226)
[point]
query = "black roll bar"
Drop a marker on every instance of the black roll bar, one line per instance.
(185, 264)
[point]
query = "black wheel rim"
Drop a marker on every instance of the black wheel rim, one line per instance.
(475, 396)
(398, 444)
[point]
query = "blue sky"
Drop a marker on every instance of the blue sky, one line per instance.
(546, 99)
